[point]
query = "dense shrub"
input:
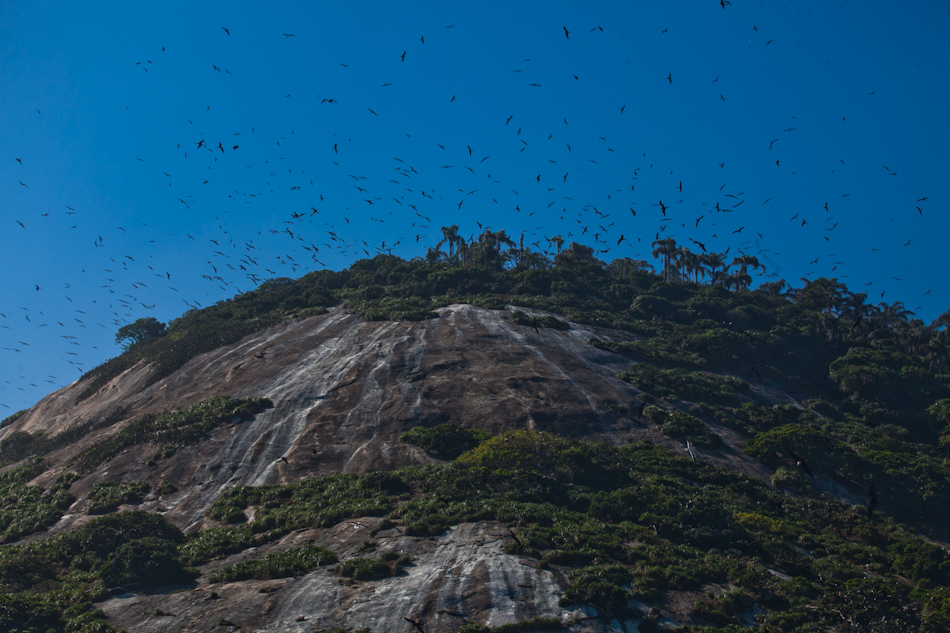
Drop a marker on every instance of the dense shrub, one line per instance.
(364, 569)
(292, 562)
(148, 561)
(445, 441)
(107, 496)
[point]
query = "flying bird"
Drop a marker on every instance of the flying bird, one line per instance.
(566, 33)
(225, 30)
(691, 450)
(800, 462)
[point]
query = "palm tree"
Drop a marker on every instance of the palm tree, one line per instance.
(489, 247)
(450, 235)
(532, 260)
(434, 255)
(822, 294)
(693, 264)
(894, 315)
(664, 248)
(558, 241)
(715, 262)
(772, 288)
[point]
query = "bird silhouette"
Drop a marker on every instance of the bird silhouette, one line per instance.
(800, 462)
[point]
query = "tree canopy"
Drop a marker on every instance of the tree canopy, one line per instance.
(141, 330)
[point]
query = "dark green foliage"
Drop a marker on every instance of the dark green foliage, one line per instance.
(824, 453)
(50, 584)
(24, 508)
(103, 535)
(601, 586)
(723, 609)
(292, 562)
(627, 522)
(318, 502)
(630, 522)
(173, 429)
(29, 614)
(681, 425)
(19, 573)
(219, 542)
(365, 569)
(520, 318)
(909, 482)
(149, 561)
(19, 444)
(141, 330)
(107, 496)
(681, 384)
(445, 441)
(12, 418)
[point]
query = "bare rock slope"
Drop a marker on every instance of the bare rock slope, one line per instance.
(343, 390)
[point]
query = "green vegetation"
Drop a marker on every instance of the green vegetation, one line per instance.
(681, 384)
(50, 585)
(10, 419)
(20, 445)
(520, 318)
(622, 523)
(107, 496)
(179, 428)
(368, 569)
(681, 425)
(291, 562)
(445, 441)
(320, 502)
(876, 373)
(141, 330)
(24, 508)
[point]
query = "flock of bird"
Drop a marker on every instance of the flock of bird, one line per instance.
(321, 227)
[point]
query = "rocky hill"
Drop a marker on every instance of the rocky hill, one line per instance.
(420, 446)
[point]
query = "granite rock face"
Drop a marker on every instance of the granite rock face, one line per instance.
(343, 390)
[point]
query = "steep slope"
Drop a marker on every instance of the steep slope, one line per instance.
(278, 421)
(344, 390)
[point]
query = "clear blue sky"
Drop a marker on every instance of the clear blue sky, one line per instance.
(124, 215)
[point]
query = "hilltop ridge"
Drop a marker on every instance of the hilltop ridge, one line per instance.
(230, 413)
